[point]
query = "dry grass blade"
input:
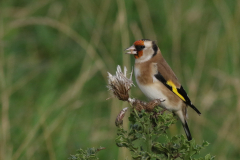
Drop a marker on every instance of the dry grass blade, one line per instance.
(5, 123)
(63, 100)
(136, 31)
(145, 18)
(122, 22)
(64, 29)
(49, 144)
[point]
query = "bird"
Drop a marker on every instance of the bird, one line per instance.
(156, 80)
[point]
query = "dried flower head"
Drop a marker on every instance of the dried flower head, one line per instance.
(119, 84)
(119, 119)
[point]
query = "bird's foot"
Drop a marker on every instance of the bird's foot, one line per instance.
(162, 99)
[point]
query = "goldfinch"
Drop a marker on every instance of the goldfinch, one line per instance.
(156, 80)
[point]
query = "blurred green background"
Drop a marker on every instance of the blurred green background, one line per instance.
(54, 59)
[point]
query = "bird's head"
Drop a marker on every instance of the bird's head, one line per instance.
(143, 49)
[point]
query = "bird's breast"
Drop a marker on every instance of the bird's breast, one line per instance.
(143, 74)
(154, 89)
(147, 85)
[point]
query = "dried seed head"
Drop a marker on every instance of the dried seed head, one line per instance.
(119, 84)
(119, 119)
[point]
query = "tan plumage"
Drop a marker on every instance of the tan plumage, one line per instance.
(156, 80)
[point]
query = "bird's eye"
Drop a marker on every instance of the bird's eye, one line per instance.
(139, 47)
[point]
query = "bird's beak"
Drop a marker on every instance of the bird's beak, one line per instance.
(131, 50)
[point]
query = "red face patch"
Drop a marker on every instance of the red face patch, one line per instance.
(139, 53)
(139, 43)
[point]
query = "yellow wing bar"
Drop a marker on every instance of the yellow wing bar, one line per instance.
(174, 89)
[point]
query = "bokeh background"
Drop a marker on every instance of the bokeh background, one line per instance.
(54, 59)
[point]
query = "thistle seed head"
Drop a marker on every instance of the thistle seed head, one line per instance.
(119, 84)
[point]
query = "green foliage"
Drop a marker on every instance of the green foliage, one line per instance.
(89, 154)
(147, 129)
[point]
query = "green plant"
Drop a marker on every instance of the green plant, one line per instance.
(147, 138)
(89, 154)
(148, 125)
(147, 129)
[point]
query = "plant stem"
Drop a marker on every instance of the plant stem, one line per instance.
(149, 141)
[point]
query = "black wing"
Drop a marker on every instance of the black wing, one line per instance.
(180, 92)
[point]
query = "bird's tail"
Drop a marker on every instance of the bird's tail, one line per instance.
(182, 114)
(187, 131)
(195, 109)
